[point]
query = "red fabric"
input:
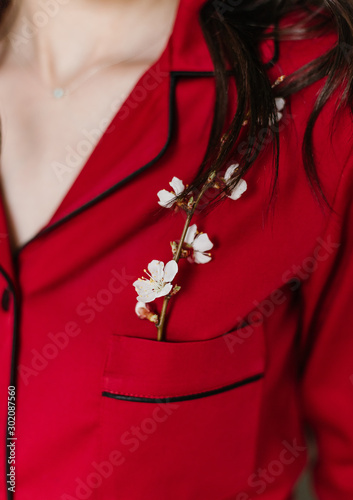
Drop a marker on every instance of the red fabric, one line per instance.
(147, 369)
(79, 335)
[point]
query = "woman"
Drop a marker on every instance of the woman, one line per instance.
(103, 105)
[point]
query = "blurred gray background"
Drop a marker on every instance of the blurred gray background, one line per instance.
(304, 489)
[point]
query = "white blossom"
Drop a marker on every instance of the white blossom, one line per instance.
(280, 103)
(158, 283)
(200, 244)
(240, 188)
(166, 197)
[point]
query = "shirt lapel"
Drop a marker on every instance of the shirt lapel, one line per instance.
(142, 130)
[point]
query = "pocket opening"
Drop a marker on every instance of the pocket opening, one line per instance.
(185, 397)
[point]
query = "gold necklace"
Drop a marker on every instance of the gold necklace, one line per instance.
(61, 91)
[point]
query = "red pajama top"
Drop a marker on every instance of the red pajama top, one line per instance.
(259, 340)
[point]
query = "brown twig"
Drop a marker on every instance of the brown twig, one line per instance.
(208, 184)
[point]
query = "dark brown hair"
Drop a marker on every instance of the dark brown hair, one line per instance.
(233, 30)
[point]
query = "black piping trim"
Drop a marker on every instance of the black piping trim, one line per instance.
(13, 372)
(241, 326)
(187, 397)
(172, 108)
(275, 57)
(121, 183)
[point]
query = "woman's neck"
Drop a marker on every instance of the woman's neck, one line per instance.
(62, 37)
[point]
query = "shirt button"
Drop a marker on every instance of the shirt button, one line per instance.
(5, 300)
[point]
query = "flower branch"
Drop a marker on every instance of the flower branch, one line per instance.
(193, 246)
(206, 186)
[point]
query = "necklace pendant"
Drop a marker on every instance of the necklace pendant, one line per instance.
(58, 93)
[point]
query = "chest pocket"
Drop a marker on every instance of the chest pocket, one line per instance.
(181, 418)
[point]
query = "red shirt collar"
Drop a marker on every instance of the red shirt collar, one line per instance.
(188, 48)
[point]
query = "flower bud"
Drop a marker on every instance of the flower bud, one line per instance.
(143, 311)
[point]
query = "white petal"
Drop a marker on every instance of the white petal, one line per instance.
(165, 290)
(145, 291)
(280, 103)
(156, 269)
(142, 286)
(239, 189)
(201, 258)
(139, 305)
(230, 171)
(165, 198)
(148, 297)
(202, 243)
(190, 234)
(177, 185)
(171, 268)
